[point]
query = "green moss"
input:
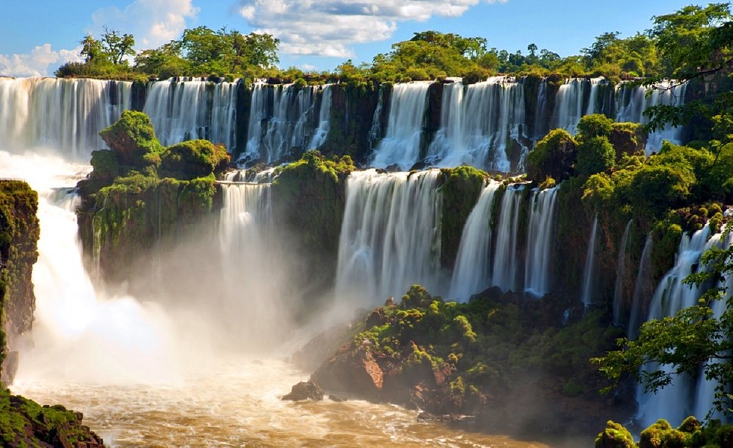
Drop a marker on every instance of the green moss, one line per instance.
(193, 159)
(614, 436)
(461, 189)
(132, 138)
(19, 233)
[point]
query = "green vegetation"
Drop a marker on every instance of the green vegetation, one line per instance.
(688, 38)
(24, 423)
(19, 233)
(486, 347)
(690, 434)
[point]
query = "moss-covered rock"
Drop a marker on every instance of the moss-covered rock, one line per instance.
(309, 198)
(615, 436)
(461, 189)
(19, 233)
(194, 158)
(447, 357)
(132, 138)
(24, 423)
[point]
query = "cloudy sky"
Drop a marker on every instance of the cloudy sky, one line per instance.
(36, 36)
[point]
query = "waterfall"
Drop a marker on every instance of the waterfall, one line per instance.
(540, 126)
(638, 308)
(587, 295)
(390, 236)
(324, 115)
(479, 123)
(281, 119)
(569, 102)
(618, 294)
(472, 273)
(674, 401)
(190, 109)
(401, 144)
(504, 273)
(540, 241)
(62, 113)
(632, 101)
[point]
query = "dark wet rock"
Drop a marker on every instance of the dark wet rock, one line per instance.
(305, 390)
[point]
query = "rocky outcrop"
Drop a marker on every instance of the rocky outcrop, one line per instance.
(24, 423)
(505, 359)
(305, 390)
(19, 232)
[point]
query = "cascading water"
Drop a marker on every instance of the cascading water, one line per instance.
(60, 113)
(324, 115)
(570, 105)
(282, 118)
(472, 273)
(478, 124)
(632, 101)
(638, 308)
(618, 296)
(191, 109)
(390, 236)
(504, 272)
(674, 402)
(588, 271)
(540, 241)
(401, 144)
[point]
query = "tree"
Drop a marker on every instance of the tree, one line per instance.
(91, 50)
(117, 46)
(693, 342)
(693, 42)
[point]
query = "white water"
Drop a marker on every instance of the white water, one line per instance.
(478, 124)
(540, 241)
(472, 273)
(632, 101)
(66, 114)
(618, 296)
(401, 144)
(588, 270)
(569, 105)
(281, 119)
(390, 236)
(324, 115)
(183, 110)
(637, 305)
(504, 272)
(675, 401)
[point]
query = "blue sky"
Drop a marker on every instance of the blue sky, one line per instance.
(37, 36)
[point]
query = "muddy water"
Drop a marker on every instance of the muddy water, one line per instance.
(237, 403)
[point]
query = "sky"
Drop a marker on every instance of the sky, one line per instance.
(37, 36)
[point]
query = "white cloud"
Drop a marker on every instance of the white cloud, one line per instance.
(41, 61)
(329, 27)
(151, 22)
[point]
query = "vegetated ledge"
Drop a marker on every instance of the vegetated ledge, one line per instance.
(511, 363)
(24, 423)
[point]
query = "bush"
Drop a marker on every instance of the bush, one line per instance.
(553, 156)
(595, 155)
(192, 159)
